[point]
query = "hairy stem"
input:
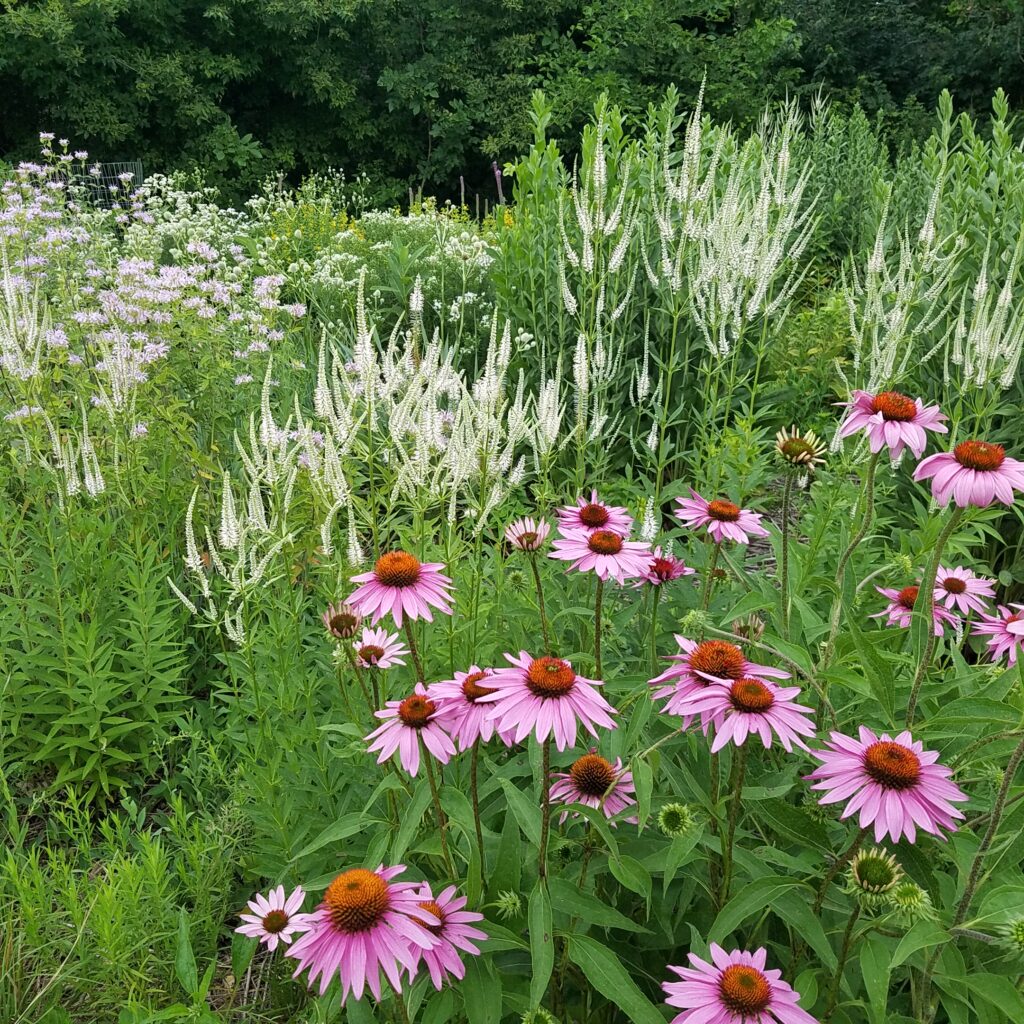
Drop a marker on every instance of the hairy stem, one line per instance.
(598, 601)
(545, 632)
(739, 769)
(545, 810)
(844, 952)
(442, 821)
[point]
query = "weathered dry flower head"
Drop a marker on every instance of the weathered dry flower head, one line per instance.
(802, 450)
(342, 621)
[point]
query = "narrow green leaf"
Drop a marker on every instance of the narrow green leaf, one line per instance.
(751, 899)
(922, 935)
(875, 967)
(569, 899)
(481, 992)
(603, 969)
(526, 812)
(1000, 992)
(542, 942)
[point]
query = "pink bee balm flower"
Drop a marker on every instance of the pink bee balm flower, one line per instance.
(700, 664)
(274, 917)
(366, 924)
(734, 988)
(406, 723)
(894, 783)
(594, 515)
(973, 473)
(377, 648)
(403, 585)
(596, 783)
(527, 534)
(664, 567)
(1006, 630)
(900, 609)
(960, 588)
(459, 706)
(603, 552)
(452, 928)
(892, 420)
(546, 697)
(748, 706)
(724, 520)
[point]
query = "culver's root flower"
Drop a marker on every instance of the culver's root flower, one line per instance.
(959, 588)
(342, 621)
(404, 586)
(460, 708)
(452, 927)
(749, 706)
(973, 473)
(724, 520)
(603, 552)
(663, 568)
(900, 609)
(367, 923)
(676, 820)
(594, 515)
(892, 420)
(405, 723)
(893, 782)
(527, 534)
(275, 917)
(802, 450)
(545, 696)
(377, 648)
(1005, 631)
(595, 782)
(909, 903)
(872, 875)
(734, 988)
(697, 666)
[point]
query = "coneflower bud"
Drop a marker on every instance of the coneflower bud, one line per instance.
(342, 621)
(800, 450)
(676, 820)
(509, 905)
(1012, 935)
(538, 1016)
(693, 622)
(873, 874)
(910, 903)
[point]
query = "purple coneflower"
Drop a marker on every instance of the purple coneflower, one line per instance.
(595, 782)
(891, 420)
(452, 928)
(459, 706)
(527, 534)
(893, 782)
(973, 473)
(605, 553)
(594, 515)
(1006, 631)
(377, 648)
(404, 586)
(546, 697)
(275, 918)
(959, 588)
(405, 723)
(900, 609)
(724, 520)
(341, 620)
(663, 568)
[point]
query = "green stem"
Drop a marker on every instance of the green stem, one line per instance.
(844, 952)
(840, 863)
(927, 591)
(709, 579)
(371, 707)
(402, 1011)
(545, 811)
(654, 631)
(739, 769)
(475, 794)
(545, 632)
(784, 566)
(597, 628)
(414, 651)
(442, 822)
(974, 876)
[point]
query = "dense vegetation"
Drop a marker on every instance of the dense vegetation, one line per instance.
(424, 93)
(214, 419)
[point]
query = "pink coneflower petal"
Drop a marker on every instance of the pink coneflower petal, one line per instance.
(724, 520)
(545, 696)
(733, 988)
(607, 554)
(406, 722)
(959, 588)
(274, 918)
(377, 648)
(366, 924)
(402, 585)
(1005, 630)
(460, 709)
(594, 515)
(892, 420)
(974, 473)
(452, 928)
(663, 568)
(595, 782)
(527, 534)
(900, 610)
(697, 666)
(892, 782)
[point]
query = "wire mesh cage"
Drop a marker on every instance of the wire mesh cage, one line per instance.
(112, 180)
